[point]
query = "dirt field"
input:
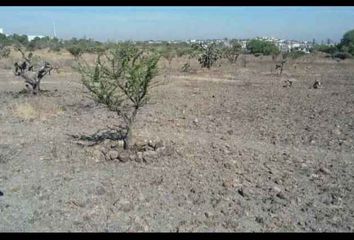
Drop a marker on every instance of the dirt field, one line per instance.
(242, 153)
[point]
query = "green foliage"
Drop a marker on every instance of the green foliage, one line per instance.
(342, 55)
(256, 46)
(294, 54)
(347, 42)
(348, 38)
(167, 51)
(18, 39)
(121, 79)
(325, 48)
(75, 50)
(208, 54)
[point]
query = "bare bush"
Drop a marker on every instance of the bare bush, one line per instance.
(30, 73)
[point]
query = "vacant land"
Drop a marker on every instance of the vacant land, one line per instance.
(243, 153)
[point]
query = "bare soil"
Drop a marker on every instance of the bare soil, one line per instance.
(242, 153)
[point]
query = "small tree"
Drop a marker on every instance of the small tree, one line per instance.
(233, 52)
(121, 80)
(208, 54)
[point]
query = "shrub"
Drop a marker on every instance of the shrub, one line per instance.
(233, 52)
(208, 54)
(121, 80)
(342, 55)
(75, 50)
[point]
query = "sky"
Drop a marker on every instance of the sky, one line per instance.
(179, 23)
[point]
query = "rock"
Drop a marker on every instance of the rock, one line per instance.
(125, 205)
(139, 157)
(98, 155)
(158, 145)
(276, 189)
(208, 214)
(259, 220)
(151, 144)
(230, 132)
(195, 121)
(336, 131)
(1, 194)
(149, 156)
(227, 165)
(241, 192)
(112, 155)
(124, 156)
(281, 195)
(100, 190)
(325, 170)
(132, 157)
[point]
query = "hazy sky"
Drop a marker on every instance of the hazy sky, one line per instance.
(167, 23)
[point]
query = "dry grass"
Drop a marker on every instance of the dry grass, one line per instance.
(36, 109)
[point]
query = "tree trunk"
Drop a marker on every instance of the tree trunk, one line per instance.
(36, 89)
(129, 135)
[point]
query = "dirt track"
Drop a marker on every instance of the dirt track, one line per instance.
(245, 154)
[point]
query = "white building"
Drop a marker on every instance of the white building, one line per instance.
(31, 37)
(1, 31)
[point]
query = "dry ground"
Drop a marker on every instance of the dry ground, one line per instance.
(245, 153)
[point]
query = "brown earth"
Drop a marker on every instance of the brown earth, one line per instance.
(242, 152)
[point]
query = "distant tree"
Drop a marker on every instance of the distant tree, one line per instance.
(258, 47)
(233, 52)
(208, 54)
(347, 42)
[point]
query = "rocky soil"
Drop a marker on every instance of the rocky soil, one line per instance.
(226, 150)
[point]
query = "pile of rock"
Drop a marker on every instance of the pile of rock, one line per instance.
(146, 152)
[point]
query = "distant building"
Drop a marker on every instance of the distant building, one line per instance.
(1, 31)
(31, 37)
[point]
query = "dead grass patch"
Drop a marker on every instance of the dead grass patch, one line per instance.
(36, 109)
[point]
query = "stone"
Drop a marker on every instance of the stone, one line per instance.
(325, 170)
(98, 155)
(139, 157)
(208, 214)
(124, 156)
(149, 156)
(132, 157)
(113, 155)
(158, 145)
(276, 189)
(125, 205)
(259, 220)
(100, 190)
(281, 195)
